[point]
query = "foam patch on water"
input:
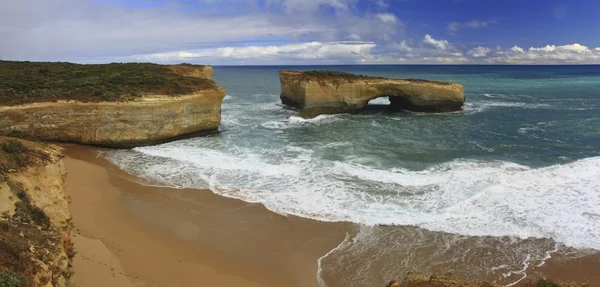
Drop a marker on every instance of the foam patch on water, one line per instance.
(480, 106)
(468, 197)
(374, 254)
(296, 121)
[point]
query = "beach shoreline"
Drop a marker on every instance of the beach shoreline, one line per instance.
(130, 234)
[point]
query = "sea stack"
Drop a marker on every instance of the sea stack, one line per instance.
(114, 105)
(324, 92)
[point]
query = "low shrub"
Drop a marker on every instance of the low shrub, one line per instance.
(10, 279)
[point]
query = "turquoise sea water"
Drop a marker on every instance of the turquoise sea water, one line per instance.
(522, 160)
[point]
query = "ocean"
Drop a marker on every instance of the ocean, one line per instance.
(492, 190)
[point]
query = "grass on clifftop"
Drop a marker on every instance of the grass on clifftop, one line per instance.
(324, 75)
(335, 75)
(28, 82)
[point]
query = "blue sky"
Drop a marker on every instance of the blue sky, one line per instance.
(303, 31)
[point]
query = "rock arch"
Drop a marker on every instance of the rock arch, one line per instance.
(318, 92)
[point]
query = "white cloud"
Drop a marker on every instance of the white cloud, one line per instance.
(446, 60)
(292, 6)
(454, 27)
(517, 49)
(439, 44)
(381, 3)
(479, 52)
(318, 52)
(44, 30)
(549, 54)
(387, 17)
(403, 46)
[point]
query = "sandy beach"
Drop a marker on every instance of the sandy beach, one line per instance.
(129, 234)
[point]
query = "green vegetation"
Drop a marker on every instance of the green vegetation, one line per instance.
(10, 279)
(335, 74)
(14, 154)
(25, 211)
(28, 82)
(13, 147)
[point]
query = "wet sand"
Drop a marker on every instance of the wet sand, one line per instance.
(129, 234)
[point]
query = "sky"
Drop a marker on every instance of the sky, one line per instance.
(312, 32)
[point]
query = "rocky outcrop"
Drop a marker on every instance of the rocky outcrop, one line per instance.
(143, 120)
(147, 120)
(35, 229)
(203, 72)
(320, 92)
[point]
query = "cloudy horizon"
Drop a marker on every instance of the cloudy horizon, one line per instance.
(280, 32)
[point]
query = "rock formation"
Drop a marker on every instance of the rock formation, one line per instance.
(321, 92)
(35, 229)
(148, 118)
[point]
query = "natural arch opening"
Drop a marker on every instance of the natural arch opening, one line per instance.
(383, 103)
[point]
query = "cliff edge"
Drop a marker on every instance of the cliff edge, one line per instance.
(35, 228)
(325, 92)
(115, 105)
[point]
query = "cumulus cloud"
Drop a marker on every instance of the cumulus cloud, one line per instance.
(446, 60)
(517, 49)
(255, 32)
(403, 46)
(438, 44)
(45, 30)
(332, 52)
(387, 17)
(479, 52)
(549, 54)
(454, 27)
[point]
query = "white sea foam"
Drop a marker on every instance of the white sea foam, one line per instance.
(480, 106)
(317, 119)
(296, 121)
(509, 97)
(462, 197)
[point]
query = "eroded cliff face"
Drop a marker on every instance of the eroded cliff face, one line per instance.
(148, 120)
(35, 229)
(203, 72)
(145, 120)
(315, 93)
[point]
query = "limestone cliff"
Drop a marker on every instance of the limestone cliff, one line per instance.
(321, 92)
(35, 229)
(163, 103)
(203, 72)
(147, 120)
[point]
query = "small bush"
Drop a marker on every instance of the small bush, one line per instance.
(38, 216)
(13, 147)
(10, 279)
(25, 211)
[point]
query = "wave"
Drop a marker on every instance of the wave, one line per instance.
(468, 197)
(296, 121)
(480, 106)
(503, 96)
